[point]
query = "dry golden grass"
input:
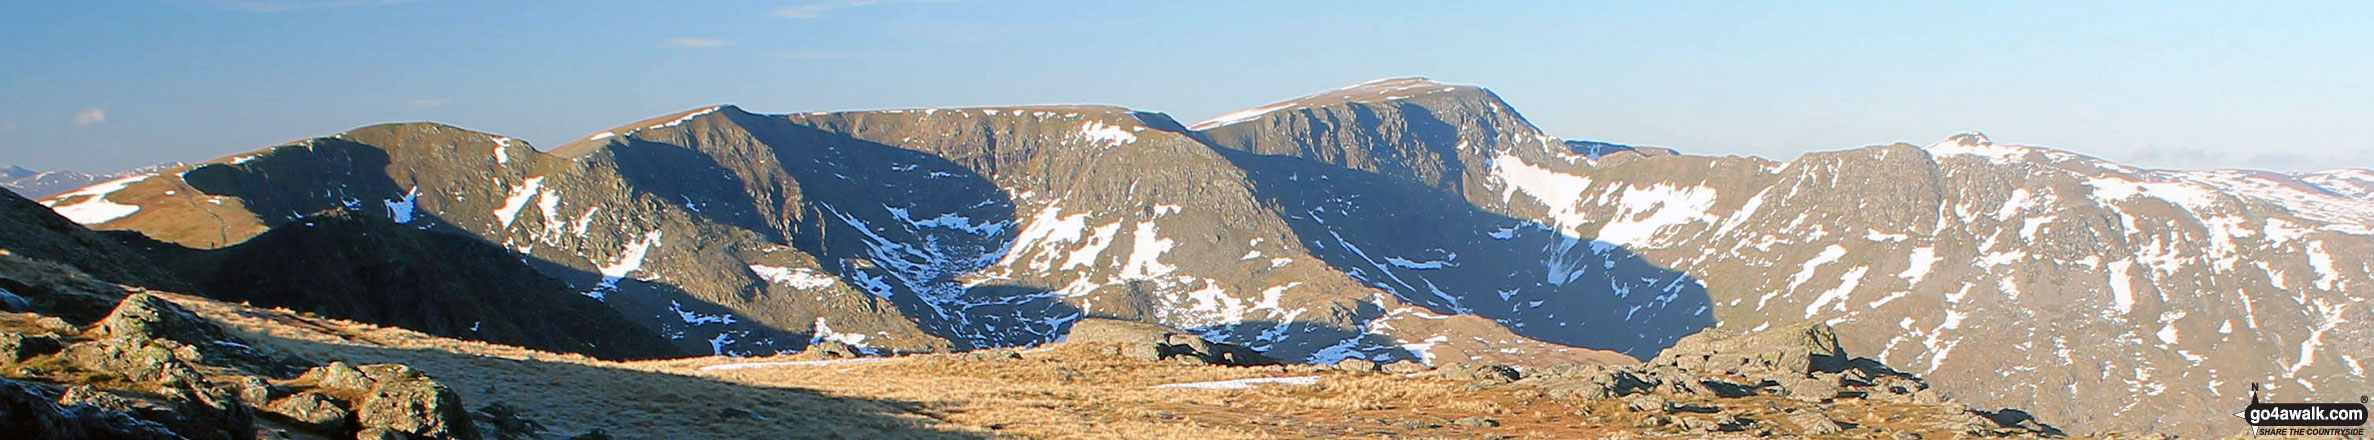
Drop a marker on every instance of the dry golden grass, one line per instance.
(1062, 391)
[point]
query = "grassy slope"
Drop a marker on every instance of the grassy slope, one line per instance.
(1061, 391)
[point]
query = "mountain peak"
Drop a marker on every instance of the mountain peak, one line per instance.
(1382, 89)
(1968, 138)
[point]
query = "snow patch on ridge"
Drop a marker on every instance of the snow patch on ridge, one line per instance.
(518, 200)
(400, 210)
(629, 260)
(94, 208)
(1104, 135)
(796, 277)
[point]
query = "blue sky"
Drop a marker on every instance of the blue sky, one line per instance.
(2271, 85)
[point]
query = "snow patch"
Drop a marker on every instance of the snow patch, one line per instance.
(518, 199)
(629, 260)
(1103, 135)
(796, 277)
(94, 208)
(400, 210)
(1145, 254)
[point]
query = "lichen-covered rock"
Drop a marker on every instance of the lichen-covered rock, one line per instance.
(143, 317)
(338, 376)
(313, 410)
(17, 347)
(416, 406)
(136, 361)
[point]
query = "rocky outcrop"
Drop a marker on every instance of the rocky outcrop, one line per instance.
(1149, 342)
(1802, 362)
(152, 367)
(30, 412)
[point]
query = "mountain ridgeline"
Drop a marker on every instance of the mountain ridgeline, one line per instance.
(1395, 219)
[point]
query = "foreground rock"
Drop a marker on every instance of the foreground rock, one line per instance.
(152, 369)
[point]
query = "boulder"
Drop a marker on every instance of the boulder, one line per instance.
(1778, 353)
(253, 391)
(135, 361)
(149, 339)
(1647, 403)
(313, 410)
(1356, 365)
(338, 376)
(1810, 389)
(416, 406)
(832, 350)
(142, 317)
(1469, 372)
(1406, 366)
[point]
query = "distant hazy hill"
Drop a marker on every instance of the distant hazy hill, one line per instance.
(36, 184)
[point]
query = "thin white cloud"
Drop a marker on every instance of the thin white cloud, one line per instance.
(817, 9)
(92, 116)
(425, 103)
(698, 42)
(290, 5)
(809, 55)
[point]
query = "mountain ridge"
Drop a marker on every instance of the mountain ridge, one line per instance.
(1354, 224)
